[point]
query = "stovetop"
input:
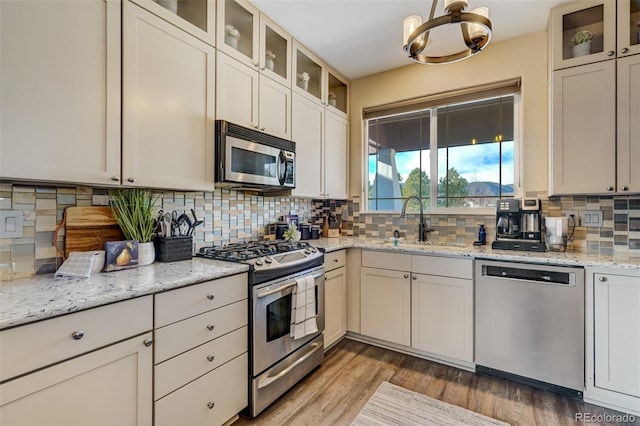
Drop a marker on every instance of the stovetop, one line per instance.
(268, 258)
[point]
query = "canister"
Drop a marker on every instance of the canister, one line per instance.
(305, 231)
(315, 232)
(280, 228)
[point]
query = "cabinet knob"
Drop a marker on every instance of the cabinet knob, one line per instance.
(115, 178)
(211, 296)
(602, 279)
(210, 358)
(256, 64)
(414, 277)
(77, 335)
(611, 53)
(263, 68)
(406, 275)
(610, 188)
(262, 128)
(148, 342)
(256, 127)
(210, 327)
(335, 260)
(624, 50)
(211, 405)
(131, 179)
(625, 188)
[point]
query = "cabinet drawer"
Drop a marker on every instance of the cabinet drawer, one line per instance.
(442, 266)
(187, 302)
(175, 372)
(211, 400)
(36, 345)
(386, 260)
(334, 260)
(177, 338)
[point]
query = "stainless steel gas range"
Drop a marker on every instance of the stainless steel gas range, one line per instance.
(277, 360)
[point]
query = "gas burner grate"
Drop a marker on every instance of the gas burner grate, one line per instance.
(250, 250)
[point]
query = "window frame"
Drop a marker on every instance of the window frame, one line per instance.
(434, 102)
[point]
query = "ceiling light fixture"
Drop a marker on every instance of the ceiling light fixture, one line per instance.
(475, 27)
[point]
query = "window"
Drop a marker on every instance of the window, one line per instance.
(473, 141)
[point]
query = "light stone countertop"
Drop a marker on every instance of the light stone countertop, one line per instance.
(621, 261)
(31, 299)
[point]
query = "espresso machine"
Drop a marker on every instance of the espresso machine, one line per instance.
(518, 225)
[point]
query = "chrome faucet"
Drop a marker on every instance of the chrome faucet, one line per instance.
(422, 231)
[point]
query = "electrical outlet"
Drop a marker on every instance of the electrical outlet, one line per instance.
(592, 218)
(11, 223)
(575, 213)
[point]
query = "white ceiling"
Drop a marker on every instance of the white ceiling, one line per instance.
(364, 37)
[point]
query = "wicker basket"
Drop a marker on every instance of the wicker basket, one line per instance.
(173, 249)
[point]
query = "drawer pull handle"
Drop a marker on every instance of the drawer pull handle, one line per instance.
(148, 342)
(211, 296)
(210, 358)
(335, 260)
(210, 327)
(406, 275)
(414, 277)
(77, 335)
(211, 405)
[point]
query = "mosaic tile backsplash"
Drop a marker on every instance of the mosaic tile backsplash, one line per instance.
(232, 216)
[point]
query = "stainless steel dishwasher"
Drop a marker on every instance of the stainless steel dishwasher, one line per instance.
(530, 324)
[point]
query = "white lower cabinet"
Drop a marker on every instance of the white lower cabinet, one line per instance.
(201, 371)
(613, 339)
(422, 302)
(386, 305)
(72, 382)
(335, 297)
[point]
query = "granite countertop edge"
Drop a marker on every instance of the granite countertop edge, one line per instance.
(27, 300)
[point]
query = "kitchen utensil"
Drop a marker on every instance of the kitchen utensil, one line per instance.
(195, 223)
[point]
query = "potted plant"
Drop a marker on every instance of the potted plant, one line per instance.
(303, 81)
(133, 209)
(231, 36)
(292, 233)
(332, 99)
(582, 43)
(269, 56)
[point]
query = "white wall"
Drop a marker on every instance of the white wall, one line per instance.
(524, 57)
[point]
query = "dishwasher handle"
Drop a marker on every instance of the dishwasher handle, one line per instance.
(535, 275)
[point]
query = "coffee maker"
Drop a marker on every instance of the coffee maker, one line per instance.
(518, 225)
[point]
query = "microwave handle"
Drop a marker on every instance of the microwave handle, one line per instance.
(282, 167)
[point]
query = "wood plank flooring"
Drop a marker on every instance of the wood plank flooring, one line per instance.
(334, 393)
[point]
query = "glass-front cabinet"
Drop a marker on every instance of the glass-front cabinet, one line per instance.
(275, 51)
(337, 93)
(628, 27)
(238, 30)
(308, 73)
(196, 17)
(585, 32)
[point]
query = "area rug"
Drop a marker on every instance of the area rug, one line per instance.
(392, 405)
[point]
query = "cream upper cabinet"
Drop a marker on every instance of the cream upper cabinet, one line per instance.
(308, 74)
(628, 132)
(197, 17)
(598, 17)
(337, 96)
(168, 104)
(628, 27)
(335, 155)
(583, 130)
(247, 98)
(307, 132)
(238, 31)
(275, 51)
(60, 84)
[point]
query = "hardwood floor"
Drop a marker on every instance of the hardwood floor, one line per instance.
(334, 393)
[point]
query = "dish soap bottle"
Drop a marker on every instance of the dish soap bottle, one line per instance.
(482, 235)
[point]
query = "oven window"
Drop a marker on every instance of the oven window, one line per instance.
(279, 318)
(253, 163)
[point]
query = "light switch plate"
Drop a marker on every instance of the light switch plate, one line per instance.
(11, 223)
(592, 218)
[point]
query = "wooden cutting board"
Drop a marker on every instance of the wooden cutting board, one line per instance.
(86, 229)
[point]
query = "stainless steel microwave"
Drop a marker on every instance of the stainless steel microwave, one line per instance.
(247, 158)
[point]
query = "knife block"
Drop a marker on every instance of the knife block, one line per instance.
(330, 232)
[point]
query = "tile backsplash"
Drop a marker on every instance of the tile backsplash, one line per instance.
(232, 216)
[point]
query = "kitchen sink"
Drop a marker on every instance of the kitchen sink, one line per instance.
(413, 243)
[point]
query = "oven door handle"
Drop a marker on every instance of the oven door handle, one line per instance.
(270, 379)
(284, 287)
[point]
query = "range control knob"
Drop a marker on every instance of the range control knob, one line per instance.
(259, 262)
(307, 251)
(268, 259)
(313, 249)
